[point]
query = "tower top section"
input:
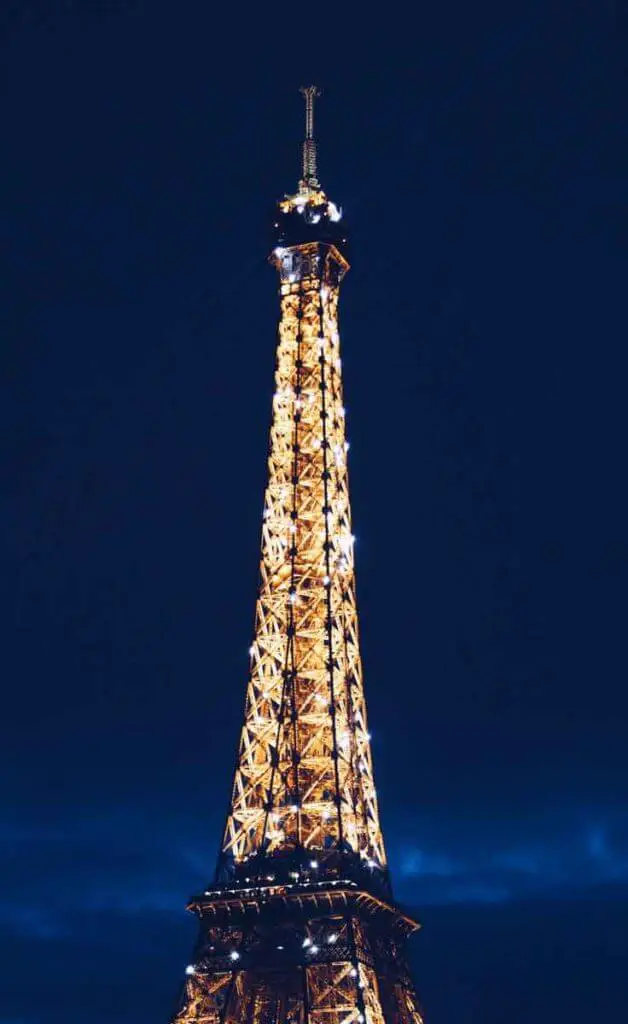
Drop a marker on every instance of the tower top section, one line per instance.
(308, 215)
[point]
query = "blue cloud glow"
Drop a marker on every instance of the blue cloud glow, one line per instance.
(126, 864)
(567, 859)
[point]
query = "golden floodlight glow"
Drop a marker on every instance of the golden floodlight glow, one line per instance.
(305, 747)
(299, 926)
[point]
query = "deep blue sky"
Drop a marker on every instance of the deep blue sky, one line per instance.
(479, 151)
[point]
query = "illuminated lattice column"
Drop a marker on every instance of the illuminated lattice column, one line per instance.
(304, 776)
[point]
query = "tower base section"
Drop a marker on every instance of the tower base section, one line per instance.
(299, 954)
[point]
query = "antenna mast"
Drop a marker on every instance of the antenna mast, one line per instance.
(309, 180)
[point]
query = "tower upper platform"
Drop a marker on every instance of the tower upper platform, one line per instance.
(309, 215)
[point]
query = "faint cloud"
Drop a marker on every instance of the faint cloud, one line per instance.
(132, 864)
(31, 922)
(118, 863)
(478, 892)
(575, 858)
(420, 862)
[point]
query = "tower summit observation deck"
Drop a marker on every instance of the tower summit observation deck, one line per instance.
(299, 926)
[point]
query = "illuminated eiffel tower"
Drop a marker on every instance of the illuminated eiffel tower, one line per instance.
(299, 926)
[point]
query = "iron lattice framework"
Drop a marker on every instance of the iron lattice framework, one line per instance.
(300, 926)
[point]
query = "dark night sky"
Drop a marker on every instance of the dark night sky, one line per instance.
(479, 152)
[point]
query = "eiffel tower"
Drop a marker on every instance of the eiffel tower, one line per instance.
(300, 925)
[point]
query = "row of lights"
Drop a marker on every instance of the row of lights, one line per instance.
(293, 874)
(253, 888)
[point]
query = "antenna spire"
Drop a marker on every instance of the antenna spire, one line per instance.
(309, 180)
